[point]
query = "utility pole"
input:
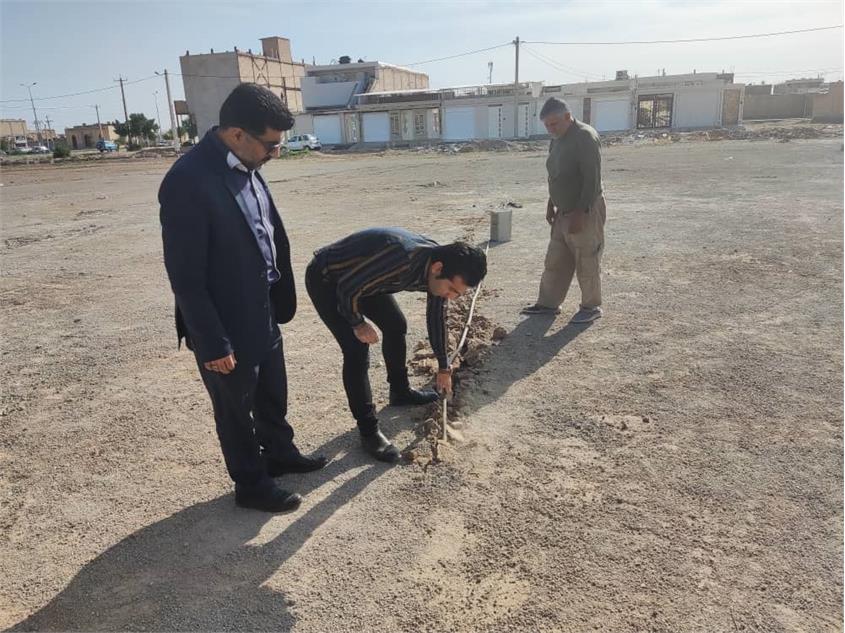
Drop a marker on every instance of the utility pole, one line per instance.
(99, 125)
(171, 110)
(489, 72)
(34, 115)
(158, 115)
(50, 142)
(516, 90)
(125, 111)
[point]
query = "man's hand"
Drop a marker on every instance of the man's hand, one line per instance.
(444, 382)
(366, 333)
(550, 212)
(576, 221)
(221, 365)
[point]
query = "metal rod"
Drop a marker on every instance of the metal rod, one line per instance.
(462, 341)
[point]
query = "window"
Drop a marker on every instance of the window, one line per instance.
(395, 125)
(419, 124)
(654, 111)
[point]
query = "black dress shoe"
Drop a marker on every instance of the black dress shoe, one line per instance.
(380, 447)
(403, 397)
(267, 497)
(276, 467)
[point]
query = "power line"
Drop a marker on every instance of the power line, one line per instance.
(76, 94)
(440, 59)
(695, 39)
(550, 62)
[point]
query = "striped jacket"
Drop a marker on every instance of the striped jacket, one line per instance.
(383, 261)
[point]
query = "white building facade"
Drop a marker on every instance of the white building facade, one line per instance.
(505, 111)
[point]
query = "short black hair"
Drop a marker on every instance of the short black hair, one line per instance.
(554, 105)
(255, 108)
(459, 258)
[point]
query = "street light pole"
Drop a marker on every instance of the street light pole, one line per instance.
(34, 115)
(158, 116)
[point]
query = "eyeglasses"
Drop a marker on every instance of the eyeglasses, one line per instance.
(268, 146)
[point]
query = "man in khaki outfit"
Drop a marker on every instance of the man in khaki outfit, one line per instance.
(576, 213)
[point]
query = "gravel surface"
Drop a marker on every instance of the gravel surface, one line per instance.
(675, 466)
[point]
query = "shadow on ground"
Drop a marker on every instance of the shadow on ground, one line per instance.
(527, 348)
(196, 570)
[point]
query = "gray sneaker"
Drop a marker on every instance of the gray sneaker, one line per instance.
(586, 315)
(538, 309)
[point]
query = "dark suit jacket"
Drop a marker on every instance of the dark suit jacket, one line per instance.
(224, 303)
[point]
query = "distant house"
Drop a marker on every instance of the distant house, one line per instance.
(86, 136)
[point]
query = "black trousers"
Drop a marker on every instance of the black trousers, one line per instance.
(250, 411)
(385, 313)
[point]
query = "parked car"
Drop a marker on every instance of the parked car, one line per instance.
(106, 146)
(40, 149)
(303, 141)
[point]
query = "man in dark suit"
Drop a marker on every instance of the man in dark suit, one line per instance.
(228, 259)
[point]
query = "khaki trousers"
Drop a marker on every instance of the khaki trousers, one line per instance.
(579, 254)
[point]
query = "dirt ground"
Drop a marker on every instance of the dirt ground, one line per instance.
(677, 466)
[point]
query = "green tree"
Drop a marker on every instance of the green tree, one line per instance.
(188, 128)
(138, 127)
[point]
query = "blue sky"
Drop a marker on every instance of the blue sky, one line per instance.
(68, 46)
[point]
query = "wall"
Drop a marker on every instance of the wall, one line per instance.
(208, 80)
(282, 77)
(12, 127)
(777, 106)
(827, 108)
(390, 78)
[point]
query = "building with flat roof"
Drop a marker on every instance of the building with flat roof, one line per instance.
(16, 132)
(389, 117)
(86, 136)
(208, 78)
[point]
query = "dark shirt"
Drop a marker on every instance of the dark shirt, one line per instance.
(384, 261)
(574, 166)
(253, 200)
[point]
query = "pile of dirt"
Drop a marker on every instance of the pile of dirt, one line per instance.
(776, 133)
(481, 336)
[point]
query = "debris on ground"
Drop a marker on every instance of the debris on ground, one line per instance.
(156, 152)
(781, 133)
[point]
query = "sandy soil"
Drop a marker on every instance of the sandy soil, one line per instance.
(677, 466)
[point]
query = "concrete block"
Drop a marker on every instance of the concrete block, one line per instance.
(500, 226)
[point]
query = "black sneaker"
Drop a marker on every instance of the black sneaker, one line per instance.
(404, 397)
(267, 497)
(378, 446)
